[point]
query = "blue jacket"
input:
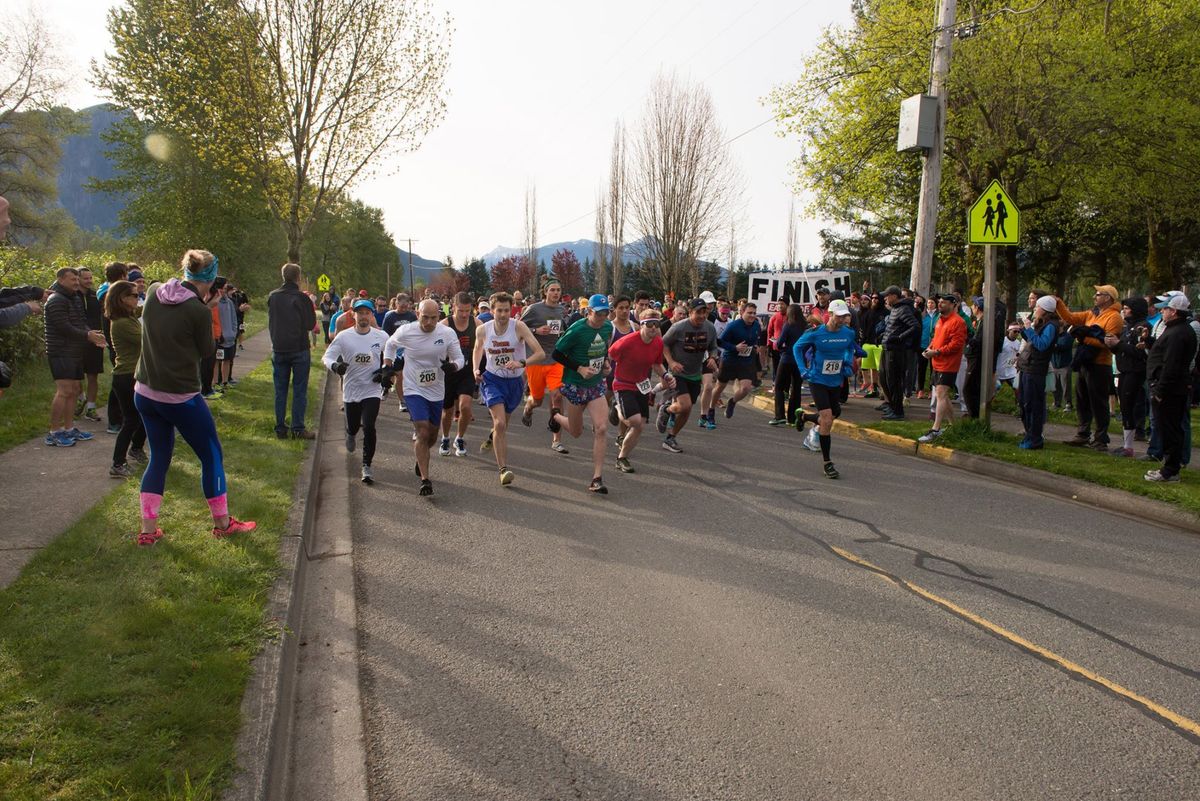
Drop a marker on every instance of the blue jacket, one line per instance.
(825, 357)
(927, 324)
(736, 333)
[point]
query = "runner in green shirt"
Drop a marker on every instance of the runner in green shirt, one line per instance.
(583, 352)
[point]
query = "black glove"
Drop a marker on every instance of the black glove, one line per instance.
(384, 375)
(339, 366)
(448, 366)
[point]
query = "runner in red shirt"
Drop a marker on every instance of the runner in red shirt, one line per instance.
(635, 358)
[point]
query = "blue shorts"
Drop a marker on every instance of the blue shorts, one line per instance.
(582, 396)
(423, 410)
(496, 389)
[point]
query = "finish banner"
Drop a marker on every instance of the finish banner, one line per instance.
(771, 291)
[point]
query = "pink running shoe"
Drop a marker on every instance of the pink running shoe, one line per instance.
(145, 540)
(235, 527)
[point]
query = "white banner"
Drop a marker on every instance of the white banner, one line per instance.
(772, 290)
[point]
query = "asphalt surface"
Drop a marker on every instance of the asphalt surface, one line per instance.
(695, 634)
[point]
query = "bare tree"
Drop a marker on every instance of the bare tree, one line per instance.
(684, 187)
(349, 82)
(531, 239)
(30, 85)
(790, 258)
(618, 183)
(602, 248)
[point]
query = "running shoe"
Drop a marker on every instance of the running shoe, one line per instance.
(92, 414)
(660, 421)
(486, 445)
(145, 540)
(368, 477)
(527, 418)
(708, 423)
(778, 421)
(444, 448)
(233, 382)
(558, 447)
(112, 429)
(1027, 445)
(79, 436)
(621, 438)
(597, 486)
(506, 476)
(871, 393)
(235, 527)
(613, 420)
(1124, 452)
(812, 440)
(831, 471)
(930, 435)
(414, 436)
(426, 488)
(120, 471)
(350, 443)
(702, 422)
(403, 408)
(1158, 475)
(138, 455)
(624, 466)
(460, 446)
(58, 439)
(80, 405)
(669, 444)
(729, 407)
(552, 423)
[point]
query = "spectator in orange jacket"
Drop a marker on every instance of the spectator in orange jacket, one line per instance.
(945, 354)
(1095, 375)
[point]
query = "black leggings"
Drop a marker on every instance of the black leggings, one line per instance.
(787, 379)
(363, 415)
(132, 431)
(1131, 391)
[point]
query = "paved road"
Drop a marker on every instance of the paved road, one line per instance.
(704, 633)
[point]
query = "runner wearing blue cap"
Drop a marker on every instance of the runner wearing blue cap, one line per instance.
(583, 351)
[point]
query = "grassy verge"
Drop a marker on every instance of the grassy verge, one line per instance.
(1099, 468)
(122, 669)
(25, 407)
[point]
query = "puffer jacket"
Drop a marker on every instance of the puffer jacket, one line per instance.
(1169, 365)
(65, 323)
(1130, 358)
(903, 329)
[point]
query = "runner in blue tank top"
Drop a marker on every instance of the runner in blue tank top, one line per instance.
(825, 355)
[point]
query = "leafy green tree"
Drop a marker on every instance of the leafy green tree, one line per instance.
(477, 274)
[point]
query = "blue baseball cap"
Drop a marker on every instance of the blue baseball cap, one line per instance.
(363, 304)
(598, 302)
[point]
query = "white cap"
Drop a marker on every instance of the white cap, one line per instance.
(1047, 303)
(838, 308)
(1170, 293)
(708, 297)
(1177, 301)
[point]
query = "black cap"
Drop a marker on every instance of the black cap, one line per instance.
(697, 303)
(892, 290)
(823, 290)
(836, 294)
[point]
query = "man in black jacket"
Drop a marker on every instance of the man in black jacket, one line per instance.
(901, 336)
(1168, 367)
(290, 317)
(93, 358)
(973, 382)
(67, 337)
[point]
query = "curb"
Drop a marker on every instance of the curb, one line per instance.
(1071, 489)
(261, 750)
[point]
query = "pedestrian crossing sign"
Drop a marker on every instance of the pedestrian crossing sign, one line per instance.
(323, 282)
(993, 219)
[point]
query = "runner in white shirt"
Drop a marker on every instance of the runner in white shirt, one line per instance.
(430, 351)
(508, 345)
(356, 354)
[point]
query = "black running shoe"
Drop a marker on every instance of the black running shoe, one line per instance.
(553, 424)
(426, 487)
(597, 486)
(831, 471)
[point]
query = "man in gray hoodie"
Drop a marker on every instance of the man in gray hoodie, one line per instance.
(227, 311)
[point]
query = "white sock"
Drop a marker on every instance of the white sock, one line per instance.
(91, 405)
(1128, 435)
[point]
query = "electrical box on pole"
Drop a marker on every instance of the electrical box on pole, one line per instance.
(918, 124)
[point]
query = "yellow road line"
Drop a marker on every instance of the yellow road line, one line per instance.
(1187, 724)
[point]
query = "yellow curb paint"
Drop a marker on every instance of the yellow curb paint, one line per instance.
(1187, 724)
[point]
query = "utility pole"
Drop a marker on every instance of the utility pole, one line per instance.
(931, 168)
(987, 378)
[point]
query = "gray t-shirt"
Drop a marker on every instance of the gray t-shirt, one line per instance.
(541, 313)
(691, 345)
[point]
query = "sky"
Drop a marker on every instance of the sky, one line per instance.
(534, 90)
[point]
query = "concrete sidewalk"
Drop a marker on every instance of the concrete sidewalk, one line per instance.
(34, 474)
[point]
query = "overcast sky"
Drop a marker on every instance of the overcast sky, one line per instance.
(535, 88)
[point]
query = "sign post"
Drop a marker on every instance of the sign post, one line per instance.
(993, 220)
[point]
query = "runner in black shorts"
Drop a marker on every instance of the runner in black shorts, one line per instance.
(460, 385)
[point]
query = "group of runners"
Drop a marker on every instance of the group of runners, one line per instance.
(605, 369)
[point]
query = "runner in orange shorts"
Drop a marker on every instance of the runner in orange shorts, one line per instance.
(546, 320)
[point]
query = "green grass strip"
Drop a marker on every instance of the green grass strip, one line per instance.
(122, 668)
(1081, 463)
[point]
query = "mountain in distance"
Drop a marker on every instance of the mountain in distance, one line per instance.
(423, 269)
(584, 250)
(84, 159)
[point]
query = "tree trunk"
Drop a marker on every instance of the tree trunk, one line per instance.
(1062, 269)
(295, 240)
(1158, 253)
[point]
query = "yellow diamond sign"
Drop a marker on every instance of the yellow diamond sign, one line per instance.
(994, 219)
(323, 282)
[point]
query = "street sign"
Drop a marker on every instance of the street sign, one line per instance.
(323, 282)
(994, 219)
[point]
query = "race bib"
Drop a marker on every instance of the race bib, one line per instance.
(644, 387)
(597, 364)
(363, 358)
(1012, 362)
(427, 377)
(831, 367)
(220, 354)
(555, 326)
(502, 360)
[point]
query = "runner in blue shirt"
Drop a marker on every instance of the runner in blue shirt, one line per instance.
(825, 355)
(738, 341)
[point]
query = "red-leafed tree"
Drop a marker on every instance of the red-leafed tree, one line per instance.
(525, 273)
(566, 269)
(449, 281)
(505, 277)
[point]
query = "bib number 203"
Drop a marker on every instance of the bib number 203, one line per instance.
(427, 376)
